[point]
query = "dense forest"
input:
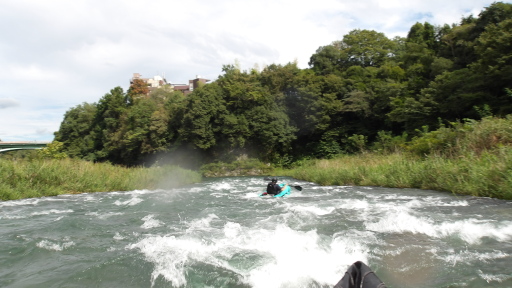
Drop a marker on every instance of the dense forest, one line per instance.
(365, 91)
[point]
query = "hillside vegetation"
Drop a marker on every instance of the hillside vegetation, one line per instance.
(357, 89)
(396, 98)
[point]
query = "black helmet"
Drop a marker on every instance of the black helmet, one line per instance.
(274, 179)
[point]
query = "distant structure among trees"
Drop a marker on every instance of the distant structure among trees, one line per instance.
(159, 81)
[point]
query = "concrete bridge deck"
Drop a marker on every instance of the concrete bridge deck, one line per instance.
(21, 145)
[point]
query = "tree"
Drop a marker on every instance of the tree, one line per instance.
(143, 131)
(107, 122)
(460, 43)
(53, 150)
(138, 88)
(492, 15)
(75, 130)
(327, 60)
(421, 34)
(280, 79)
(201, 120)
(365, 48)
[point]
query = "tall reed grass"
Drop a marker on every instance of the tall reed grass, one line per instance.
(472, 158)
(49, 177)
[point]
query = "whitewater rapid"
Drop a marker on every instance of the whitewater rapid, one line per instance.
(220, 233)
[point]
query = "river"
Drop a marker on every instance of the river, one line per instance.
(219, 233)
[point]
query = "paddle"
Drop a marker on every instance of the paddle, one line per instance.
(296, 186)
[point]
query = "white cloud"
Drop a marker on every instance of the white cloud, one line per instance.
(61, 53)
(8, 103)
(30, 73)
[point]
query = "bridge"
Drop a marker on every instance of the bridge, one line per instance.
(10, 146)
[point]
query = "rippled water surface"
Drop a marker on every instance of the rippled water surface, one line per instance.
(219, 233)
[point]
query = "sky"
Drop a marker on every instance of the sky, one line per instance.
(57, 54)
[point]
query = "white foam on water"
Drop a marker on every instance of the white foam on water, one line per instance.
(201, 224)
(232, 230)
(298, 257)
(194, 189)
(52, 246)
(133, 193)
(51, 211)
(169, 255)
(150, 222)
(253, 194)
(415, 201)
(105, 215)
(469, 230)
(10, 217)
(494, 278)
(87, 197)
(130, 202)
(312, 209)
(429, 201)
(396, 197)
(331, 188)
(419, 201)
(353, 204)
(465, 257)
(287, 258)
(140, 192)
(118, 236)
(221, 186)
(440, 203)
(473, 230)
(296, 194)
(415, 204)
(22, 202)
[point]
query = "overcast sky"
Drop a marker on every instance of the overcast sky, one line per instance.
(56, 54)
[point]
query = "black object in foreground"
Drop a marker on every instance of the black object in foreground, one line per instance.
(359, 275)
(296, 186)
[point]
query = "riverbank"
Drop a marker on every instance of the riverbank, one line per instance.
(486, 175)
(470, 158)
(51, 177)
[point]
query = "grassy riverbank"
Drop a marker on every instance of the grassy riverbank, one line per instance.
(486, 175)
(472, 158)
(48, 177)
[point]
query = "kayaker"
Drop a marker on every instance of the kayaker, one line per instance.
(273, 188)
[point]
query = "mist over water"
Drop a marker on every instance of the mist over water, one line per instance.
(219, 233)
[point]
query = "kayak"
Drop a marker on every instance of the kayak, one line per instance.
(283, 193)
(359, 275)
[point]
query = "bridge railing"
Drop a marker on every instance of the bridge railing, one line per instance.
(22, 145)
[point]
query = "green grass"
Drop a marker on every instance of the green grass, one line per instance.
(472, 158)
(45, 177)
(486, 175)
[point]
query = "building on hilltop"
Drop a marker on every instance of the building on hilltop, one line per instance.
(193, 84)
(153, 83)
(158, 81)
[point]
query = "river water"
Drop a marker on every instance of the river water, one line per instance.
(219, 233)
